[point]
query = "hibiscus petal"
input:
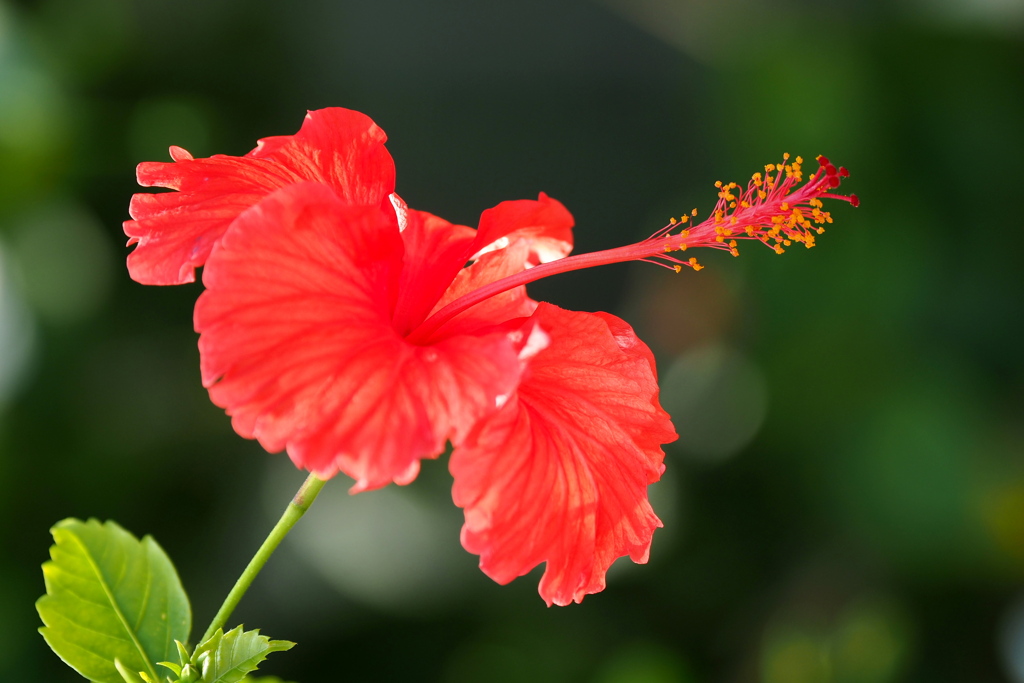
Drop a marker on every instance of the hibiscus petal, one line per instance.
(297, 343)
(545, 224)
(176, 231)
(560, 474)
(435, 252)
(340, 148)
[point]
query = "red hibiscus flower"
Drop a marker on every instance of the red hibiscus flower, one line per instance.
(362, 336)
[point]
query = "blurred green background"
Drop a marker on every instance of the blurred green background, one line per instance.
(846, 503)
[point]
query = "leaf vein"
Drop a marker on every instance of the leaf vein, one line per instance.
(117, 610)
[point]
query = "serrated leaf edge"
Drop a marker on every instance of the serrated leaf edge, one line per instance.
(201, 656)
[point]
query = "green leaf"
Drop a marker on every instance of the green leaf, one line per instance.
(265, 679)
(228, 657)
(126, 675)
(111, 597)
(183, 654)
(172, 666)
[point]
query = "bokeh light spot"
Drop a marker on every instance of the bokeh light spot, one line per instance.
(29, 110)
(1002, 509)
(870, 644)
(17, 334)
(386, 548)
(717, 398)
(64, 262)
(793, 656)
(1011, 639)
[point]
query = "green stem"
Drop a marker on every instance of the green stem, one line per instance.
(293, 513)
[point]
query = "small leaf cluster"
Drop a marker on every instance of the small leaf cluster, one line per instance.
(225, 657)
(115, 611)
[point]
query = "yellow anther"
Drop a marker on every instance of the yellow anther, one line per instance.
(694, 212)
(678, 269)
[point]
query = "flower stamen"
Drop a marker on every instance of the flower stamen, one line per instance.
(773, 209)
